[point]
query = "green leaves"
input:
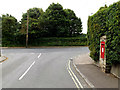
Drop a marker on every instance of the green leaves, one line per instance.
(9, 29)
(62, 22)
(106, 21)
(54, 22)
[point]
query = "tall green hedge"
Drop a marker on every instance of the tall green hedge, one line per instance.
(106, 21)
(60, 41)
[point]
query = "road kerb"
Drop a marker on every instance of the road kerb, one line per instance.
(74, 77)
(3, 59)
(86, 80)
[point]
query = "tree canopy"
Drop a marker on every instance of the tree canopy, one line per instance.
(9, 28)
(54, 22)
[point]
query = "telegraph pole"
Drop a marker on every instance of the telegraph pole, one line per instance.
(27, 28)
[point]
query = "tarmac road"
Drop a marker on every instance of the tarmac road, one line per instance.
(39, 67)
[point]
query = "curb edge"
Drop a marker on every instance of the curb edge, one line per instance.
(86, 80)
(4, 59)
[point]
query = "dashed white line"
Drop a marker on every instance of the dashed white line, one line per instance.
(39, 55)
(29, 67)
(27, 71)
(32, 53)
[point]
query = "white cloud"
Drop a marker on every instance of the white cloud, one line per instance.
(82, 8)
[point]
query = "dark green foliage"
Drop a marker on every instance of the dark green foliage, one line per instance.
(9, 29)
(34, 28)
(73, 23)
(105, 22)
(54, 22)
(56, 19)
(61, 41)
(61, 22)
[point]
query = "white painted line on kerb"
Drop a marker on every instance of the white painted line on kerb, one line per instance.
(27, 70)
(87, 81)
(39, 55)
(74, 75)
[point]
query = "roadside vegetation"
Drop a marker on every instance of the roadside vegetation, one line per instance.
(61, 41)
(106, 21)
(54, 27)
(0, 31)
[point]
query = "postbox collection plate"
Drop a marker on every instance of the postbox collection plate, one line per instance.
(102, 49)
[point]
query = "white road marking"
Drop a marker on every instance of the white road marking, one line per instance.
(39, 55)
(32, 53)
(87, 81)
(74, 76)
(27, 70)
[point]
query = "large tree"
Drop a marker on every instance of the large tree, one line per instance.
(74, 24)
(34, 30)
(9, 29)
(54, 22)
(56, 19)
(62, 22)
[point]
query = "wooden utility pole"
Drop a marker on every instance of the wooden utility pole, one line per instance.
(27, 28)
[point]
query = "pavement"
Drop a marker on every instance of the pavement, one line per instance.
(93, 74)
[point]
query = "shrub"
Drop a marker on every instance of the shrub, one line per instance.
(60, 41)
(105, 22)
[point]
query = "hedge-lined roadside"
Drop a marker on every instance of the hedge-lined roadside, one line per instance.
(55, 21)
(52, 41)
(105, 22)
(61, 41)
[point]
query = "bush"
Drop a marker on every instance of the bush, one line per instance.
(60, 41)
(105, 22)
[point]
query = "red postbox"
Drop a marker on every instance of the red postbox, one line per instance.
(102, 49)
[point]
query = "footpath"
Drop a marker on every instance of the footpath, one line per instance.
(94, 74)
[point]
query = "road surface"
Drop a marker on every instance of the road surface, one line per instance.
(39, 67)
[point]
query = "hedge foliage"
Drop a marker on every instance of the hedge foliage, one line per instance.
(51, 41)
(60, 41)
(53, 22)
(106, 21)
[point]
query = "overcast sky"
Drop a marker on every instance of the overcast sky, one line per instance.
(82, 8)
